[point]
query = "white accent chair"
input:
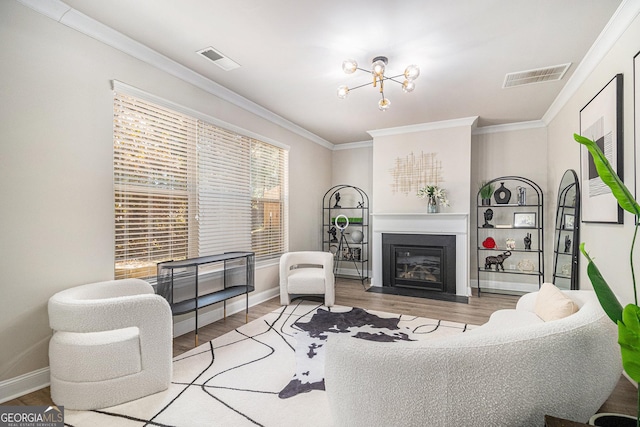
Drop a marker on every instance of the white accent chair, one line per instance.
(112, 343)
(307, 273)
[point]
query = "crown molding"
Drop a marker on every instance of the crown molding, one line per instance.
(353, 145)
(509, 127)
(444, 124)
(66, 15)
(617, 25)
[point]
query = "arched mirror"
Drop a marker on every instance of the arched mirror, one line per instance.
(567, 232)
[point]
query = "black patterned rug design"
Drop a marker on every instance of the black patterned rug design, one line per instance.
(269, 372)
(313, 334)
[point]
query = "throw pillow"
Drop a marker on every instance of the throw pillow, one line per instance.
(553, 304)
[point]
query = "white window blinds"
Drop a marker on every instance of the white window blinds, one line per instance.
(224, 191)
(269, 192)
(185, 188)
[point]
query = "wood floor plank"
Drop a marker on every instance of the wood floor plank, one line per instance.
(352, 293)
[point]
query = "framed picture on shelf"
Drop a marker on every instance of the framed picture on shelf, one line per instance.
(601, 122)
(568, 221)
(524, 219)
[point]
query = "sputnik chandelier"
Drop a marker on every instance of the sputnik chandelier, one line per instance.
(377, 71)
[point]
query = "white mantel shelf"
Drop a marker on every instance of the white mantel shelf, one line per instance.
(431, 223)
(455, 223)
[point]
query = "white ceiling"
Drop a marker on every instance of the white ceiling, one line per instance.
(291, 52)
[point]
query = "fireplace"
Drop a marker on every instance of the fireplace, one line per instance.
(424, 262)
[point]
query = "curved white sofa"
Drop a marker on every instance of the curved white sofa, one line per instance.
(511, 371)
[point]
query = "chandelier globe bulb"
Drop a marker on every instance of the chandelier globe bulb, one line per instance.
(377, 67)
(384, 104)
(343, 91)
(349, 66)
(412, 72)
(408, 86)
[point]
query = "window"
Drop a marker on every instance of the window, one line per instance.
(184, 187)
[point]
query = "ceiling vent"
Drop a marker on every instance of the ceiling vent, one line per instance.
(539, 75)
(219, 59)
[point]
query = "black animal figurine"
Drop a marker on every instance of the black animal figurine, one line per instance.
(567, 244)
(527, 242)
(497, 260)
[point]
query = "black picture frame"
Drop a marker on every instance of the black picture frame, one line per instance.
(601, 120)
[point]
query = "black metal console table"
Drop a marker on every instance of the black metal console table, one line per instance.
(238, 271)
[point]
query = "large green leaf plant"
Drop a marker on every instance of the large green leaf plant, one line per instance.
(627, 319)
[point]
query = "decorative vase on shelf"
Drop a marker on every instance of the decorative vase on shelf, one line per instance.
(357, 236)
(432, 204)
(502, 194)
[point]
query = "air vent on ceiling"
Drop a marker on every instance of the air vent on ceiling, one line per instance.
(539, 75)
(219, 59)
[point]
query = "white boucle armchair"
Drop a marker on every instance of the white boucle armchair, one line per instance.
(512, 371)
(112, 343)
(307, 273)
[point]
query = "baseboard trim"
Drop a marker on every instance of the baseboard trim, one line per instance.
(24, 384)
(32, 381)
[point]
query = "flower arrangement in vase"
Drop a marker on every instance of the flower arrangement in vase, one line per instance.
(434, 195)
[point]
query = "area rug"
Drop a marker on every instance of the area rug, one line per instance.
(269, 372)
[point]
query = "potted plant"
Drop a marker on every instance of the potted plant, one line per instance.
(627, 319)
(486, 191)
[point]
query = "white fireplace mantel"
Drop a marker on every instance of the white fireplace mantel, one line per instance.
(423, 223)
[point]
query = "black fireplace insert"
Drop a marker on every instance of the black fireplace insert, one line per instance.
(419, 261)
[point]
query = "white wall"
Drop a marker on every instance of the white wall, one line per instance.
(452, 146)
(608, 243)
(353, 167)
(56, 168)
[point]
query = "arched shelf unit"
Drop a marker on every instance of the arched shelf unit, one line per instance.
(567, 233)
(512, 219)
(345, 230)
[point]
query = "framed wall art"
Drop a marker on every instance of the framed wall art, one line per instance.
(601, 121)
(524, 219)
